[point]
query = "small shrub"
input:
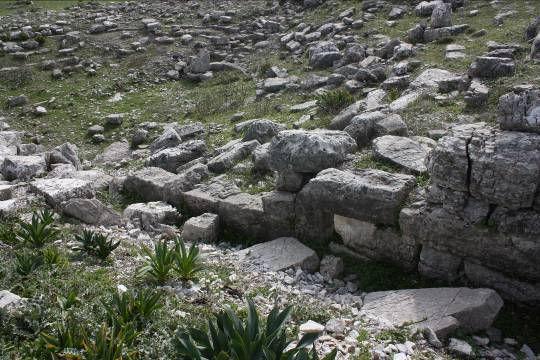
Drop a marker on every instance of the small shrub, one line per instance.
(160, 262)
(187, 262)
(26, 261)
(229, 337)
(132, 308)
(39, 231)
(95, 244)
(334, 101)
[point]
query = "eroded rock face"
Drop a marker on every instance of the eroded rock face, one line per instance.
(444, 310)
(520, 110)
(309, 151)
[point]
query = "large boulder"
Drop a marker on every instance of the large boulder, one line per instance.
(444, 310)
(520, 110)
(369, 195)
(281, 254)
(309, 151)
(323, 54)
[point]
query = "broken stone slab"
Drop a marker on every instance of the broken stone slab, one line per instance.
(91, 211)
(401, 151)
(171, 158)
(228, 158)
(273, 85)
(148, 183)
(281, 254)
(444, 310)
(520, 110)
(186, 180)
(150, 216)
(369, 195)
(204, 227)
(23, 167)
(278, 207)
(341, 120)
(64, 154)
(56, 191)
(309, 151)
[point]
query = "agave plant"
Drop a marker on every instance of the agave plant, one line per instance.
(230, 338)
(334, 101)
(66, 337)
(39, 231)
(160, 262)
(53, 256)
(110, 344)
(95, 244)
(26, 261)
(187, 262)
(132, 308)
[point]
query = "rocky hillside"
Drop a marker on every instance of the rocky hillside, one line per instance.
(264, 179)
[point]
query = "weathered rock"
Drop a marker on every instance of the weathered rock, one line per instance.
(64, 154)
(170, 138)
(331, 267)
(148, 183)
(343, 119)
(441, 15)
(205, 197)
(492, 67)
(150, 216)
(460, 348)
(401, 151)
(115, 153)
(234, 153)
(90, 211)
(309, 151)
(520, 110)
(262, 130)
(281, 254)
(204, 227)
(56, 191)
(10, 301)
(171, 158)
(242, 214)
(323, 54)
(442, 309)
(23, 167)
(278, 207)
(200, 63)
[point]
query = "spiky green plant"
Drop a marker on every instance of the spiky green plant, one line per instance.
(187, 263)
(132, 308)
(230, 338)
(334, 101)
(160, 262)
(95, 244)
(110, 344)
(26, 261)
(39, 231)
(52, 256)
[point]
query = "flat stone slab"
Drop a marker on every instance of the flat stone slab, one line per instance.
(150, 215)
(401, 151)
(57, 191)
(444, 310)
(281, 254)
